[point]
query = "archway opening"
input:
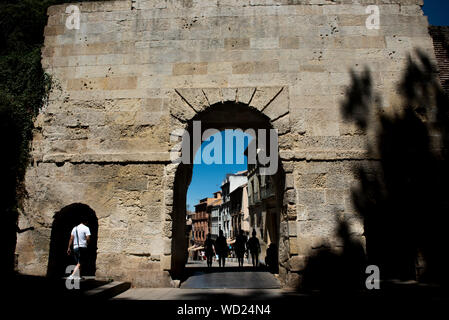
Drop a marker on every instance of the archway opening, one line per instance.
(220, 117)
(63, 223)
(217, 197)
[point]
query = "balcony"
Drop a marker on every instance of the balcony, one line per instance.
(266, 193)
(257, 197)
(200, 216)
(253, 199)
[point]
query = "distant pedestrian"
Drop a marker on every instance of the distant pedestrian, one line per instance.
(240, 247)
(254, 248)
(79, 238)
(271, 258)
(221, 248)
(209, 247)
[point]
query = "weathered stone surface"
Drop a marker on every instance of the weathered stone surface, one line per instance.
(138, 70)
(244, 95)
(263, 96)
(279, 106)
(229, 94)
(180, 108)
(213, 95)
(283, 126)
(194, 97)
(297, 263)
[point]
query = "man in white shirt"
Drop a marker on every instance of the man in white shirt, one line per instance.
(80, 238)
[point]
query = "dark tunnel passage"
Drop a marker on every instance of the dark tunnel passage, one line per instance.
(63, 223)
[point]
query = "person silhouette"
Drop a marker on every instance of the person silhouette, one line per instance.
(254, 249)
(271, 258)
(209, 248)
(221, 248)
(79, 238)
(240, 247)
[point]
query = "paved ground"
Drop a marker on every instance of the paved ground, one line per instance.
(35, 294)
(214, 282)
(199, 276)
(232, 280)
(199, 294)
(230, 262)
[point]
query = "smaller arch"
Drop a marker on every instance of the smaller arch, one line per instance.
(63, 222)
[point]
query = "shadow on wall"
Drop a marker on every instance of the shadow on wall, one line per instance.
(63, 223)
(403, 201)
(10, 186)
(329, 270)
(402, 198)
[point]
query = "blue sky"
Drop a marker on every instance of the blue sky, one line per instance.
(437, 11)
(207, 179)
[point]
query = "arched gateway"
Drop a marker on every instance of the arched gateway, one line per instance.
(241, 112)
(135, 71)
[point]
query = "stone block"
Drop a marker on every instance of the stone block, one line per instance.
(167, 229)
(264, 43)
(213, 95)
(236, 43)
(243, 67)
(133, 183)
(268, 66)
(194, 97)
(263, 96)
(186, 68)
(289, 42)
(229, 94)
(292, 230)
(293, 246)
(166, 262)
(297, 263)
(180, 109)
(244, 95)
(290, 196)
(279, 106)
(283, 126)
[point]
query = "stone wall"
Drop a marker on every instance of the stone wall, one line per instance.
(136, 70)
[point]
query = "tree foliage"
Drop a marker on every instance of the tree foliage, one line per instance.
(23, 89)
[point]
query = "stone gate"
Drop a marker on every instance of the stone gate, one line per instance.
(137, 70)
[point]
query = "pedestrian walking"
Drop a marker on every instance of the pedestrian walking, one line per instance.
(271, 259)
(209, 247)
(221, 248)
(240, 247)
(79, 238)
(254, 248)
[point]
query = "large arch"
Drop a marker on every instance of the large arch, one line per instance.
(227, 114)
(63, 222)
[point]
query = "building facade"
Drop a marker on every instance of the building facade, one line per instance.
(239, 211)
(262, 208)
(232, 182)
(215, 215)
(201, 219)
